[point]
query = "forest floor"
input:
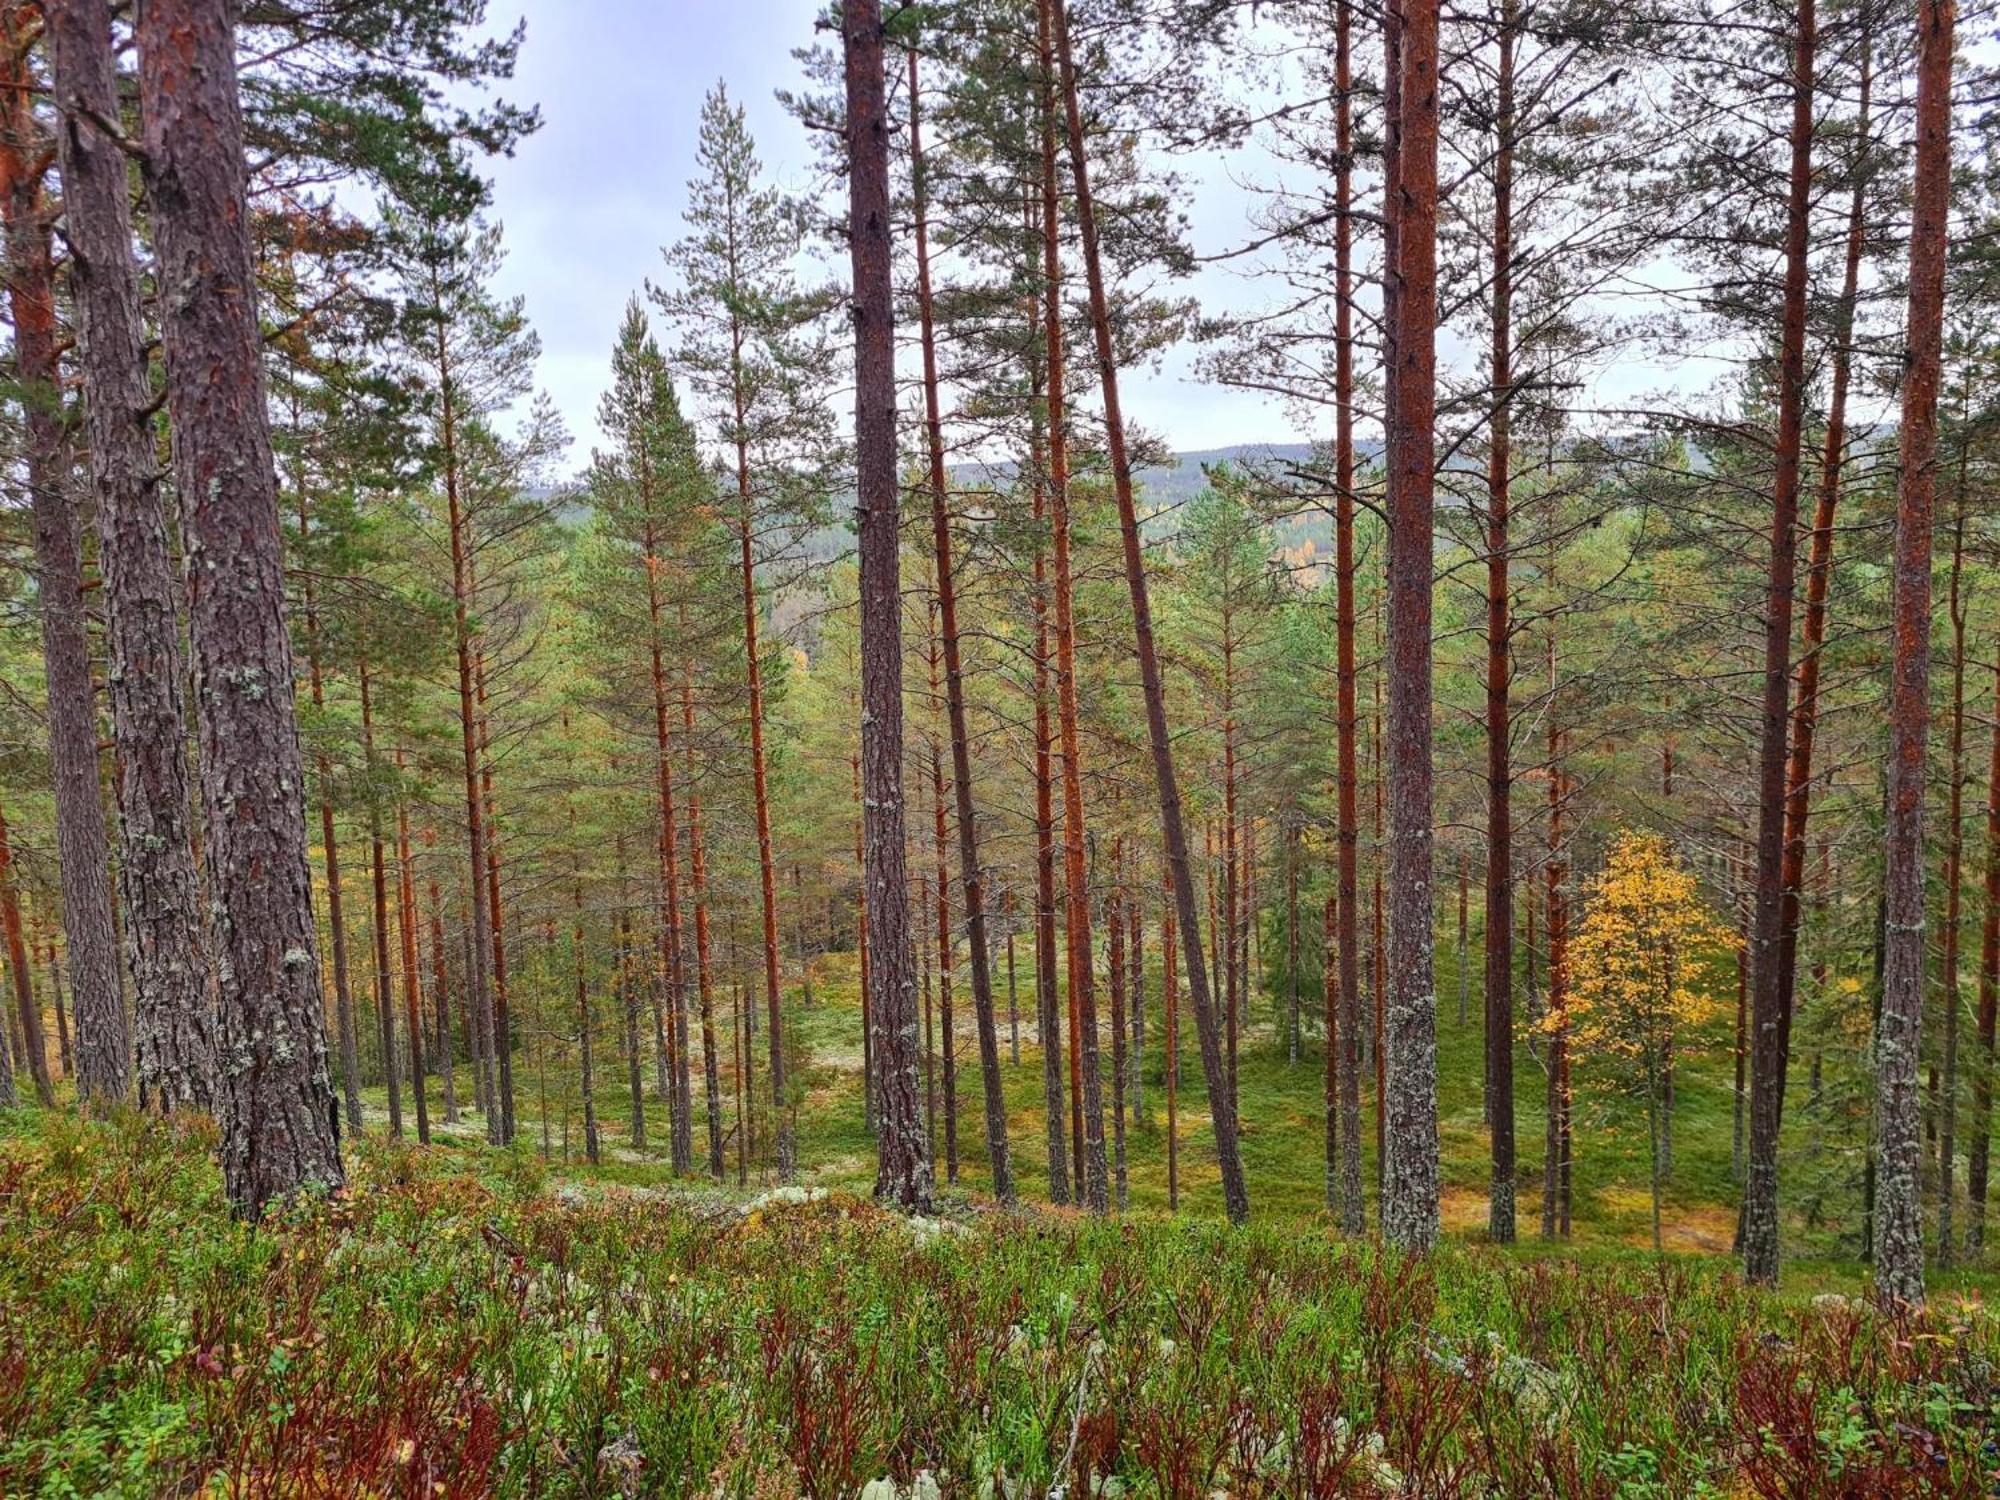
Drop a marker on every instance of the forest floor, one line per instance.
(466, 1321)
(1283, 1130)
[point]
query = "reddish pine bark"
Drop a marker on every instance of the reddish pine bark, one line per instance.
(343, 996)
(698, 886)
(1232, 885)
(406, 926)
(385, 1002)
(501, 1036)
(1767, 1006)
(1048, 1022)
(1978, 1162)
(479, 979)
(1170, 999)
(1345, 1194)
(1117, 975)
(1945, 1087)
(585, 1020)
(868, 1090)
(1222, 1101)
(1086, 1102)
(941, 846)
(1556, 1141)
(33, 1041)
(971, 881)
(1898, 1218)
(1819, 572)
(680, 1094)
(446, 1082)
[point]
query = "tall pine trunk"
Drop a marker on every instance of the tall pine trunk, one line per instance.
(1954, 864)
(406, 927)
(1047, 1010)
(1086, 1102)
(1819, 568)
(903, 1174)
(479, 947)
(1347, 827)
(1500, 667)
(385, 999)
(279, 1125)
(704, 968)
(164, 932)
(103, 1045)
(761, 797)
(343, 995)
(971, 880)
(1898, 1219)
(585, 1019)
(1767, 1002)
(1556, 1140)
(680, 1095)
(1116, 972)
(501, 1035)
(869, 1094)
(1410, 1180)
(1222, 1102)
(1979, 1158)
(439, 989)
(33, 1043)
(941, 847)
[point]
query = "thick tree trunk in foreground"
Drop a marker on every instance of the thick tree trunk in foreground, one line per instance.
(1222, 1103)
(903, 1173)
(103, 1045)
(1767, 1023)
(164, 931)
(279, 1119)
(971, 880)
(1899, 1232)
(1410, 1179)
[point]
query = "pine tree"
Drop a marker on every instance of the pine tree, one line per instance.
(749, 349)
(279, 1128)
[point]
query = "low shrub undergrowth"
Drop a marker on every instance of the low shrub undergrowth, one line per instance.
(456, 1326)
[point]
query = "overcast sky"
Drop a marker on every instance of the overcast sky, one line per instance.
(589, 200)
